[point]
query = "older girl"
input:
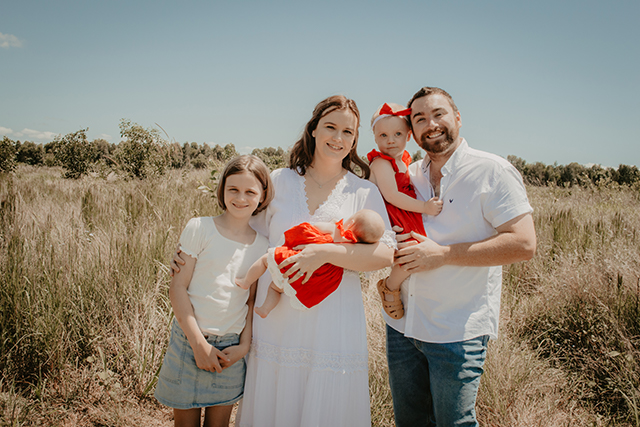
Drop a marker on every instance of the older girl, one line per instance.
(204, 366)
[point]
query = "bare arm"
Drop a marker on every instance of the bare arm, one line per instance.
(325, 227)
(386, 181)
(352, 256)
(237, 352)
(515, 241)
(205, 354)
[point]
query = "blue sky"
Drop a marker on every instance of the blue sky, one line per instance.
(549, 81)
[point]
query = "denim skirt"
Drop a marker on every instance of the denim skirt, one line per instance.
(182, 385)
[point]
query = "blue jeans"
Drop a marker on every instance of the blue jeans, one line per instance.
(434, 384)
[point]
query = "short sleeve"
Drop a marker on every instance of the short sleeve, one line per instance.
(192, 238)
(508, 199)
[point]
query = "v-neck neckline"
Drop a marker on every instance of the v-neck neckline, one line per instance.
(303, 183)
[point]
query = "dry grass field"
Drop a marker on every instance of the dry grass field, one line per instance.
(84, 310)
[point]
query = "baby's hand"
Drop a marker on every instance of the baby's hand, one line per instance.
(433, 206)
(240, 282)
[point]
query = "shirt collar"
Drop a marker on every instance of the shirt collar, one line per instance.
(451, 163)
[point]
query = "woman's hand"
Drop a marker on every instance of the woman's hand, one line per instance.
(176, 262)
(208, 357)
(234, 353)
(304, 263)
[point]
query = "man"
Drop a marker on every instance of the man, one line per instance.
(436, 352)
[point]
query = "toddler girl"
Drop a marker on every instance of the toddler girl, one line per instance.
(204, 365)
(389, 171)
(365, 226)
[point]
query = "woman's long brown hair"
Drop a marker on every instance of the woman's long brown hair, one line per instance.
(301, 155)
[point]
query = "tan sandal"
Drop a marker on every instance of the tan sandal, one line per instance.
(394, 308)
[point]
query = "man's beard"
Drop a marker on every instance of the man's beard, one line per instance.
(439, 147)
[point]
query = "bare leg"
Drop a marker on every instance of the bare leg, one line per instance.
(397, 276)
(256, 270)
(389, 290)
(273, 297)
(217, 416)
(186, 417)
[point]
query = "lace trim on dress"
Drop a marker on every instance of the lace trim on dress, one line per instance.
(389, 239)
(305, 358)
(329, 209)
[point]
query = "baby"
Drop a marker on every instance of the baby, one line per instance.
(365, 226)
(389, 171)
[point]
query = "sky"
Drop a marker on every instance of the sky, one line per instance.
(547, 81)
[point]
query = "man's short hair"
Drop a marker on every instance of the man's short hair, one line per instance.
(427, 90)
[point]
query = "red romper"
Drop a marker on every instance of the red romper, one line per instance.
(325, 279)
(409, 221)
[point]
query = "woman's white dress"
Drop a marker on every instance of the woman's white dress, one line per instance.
(309, 368)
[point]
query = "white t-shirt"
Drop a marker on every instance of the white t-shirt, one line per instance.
(480, 191)
(220, 306)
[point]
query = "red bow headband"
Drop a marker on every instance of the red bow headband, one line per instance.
(386, 111)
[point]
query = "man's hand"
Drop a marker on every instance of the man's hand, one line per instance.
(402, 238)
(421, 256)
(515, 241)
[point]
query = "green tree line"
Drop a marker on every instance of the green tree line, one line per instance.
(574, 174)
(143, 152)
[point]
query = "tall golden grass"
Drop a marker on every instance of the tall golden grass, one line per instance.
(84, 312)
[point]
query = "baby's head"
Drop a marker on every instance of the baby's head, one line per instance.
(367, 226)
(391, 128)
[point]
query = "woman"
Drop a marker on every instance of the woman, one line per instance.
(310, 368)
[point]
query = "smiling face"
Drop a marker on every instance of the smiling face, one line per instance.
(242, 194)
(334, 135)
(391, 135)
(436, 126)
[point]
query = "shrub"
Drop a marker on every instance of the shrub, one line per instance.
(273, 158)
(199, 162)
(7, 155)
(74, 153)
(142, 151)
(176, 158)
(50, 149)
(29, 153)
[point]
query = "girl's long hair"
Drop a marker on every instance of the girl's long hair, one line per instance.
(301, 155)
